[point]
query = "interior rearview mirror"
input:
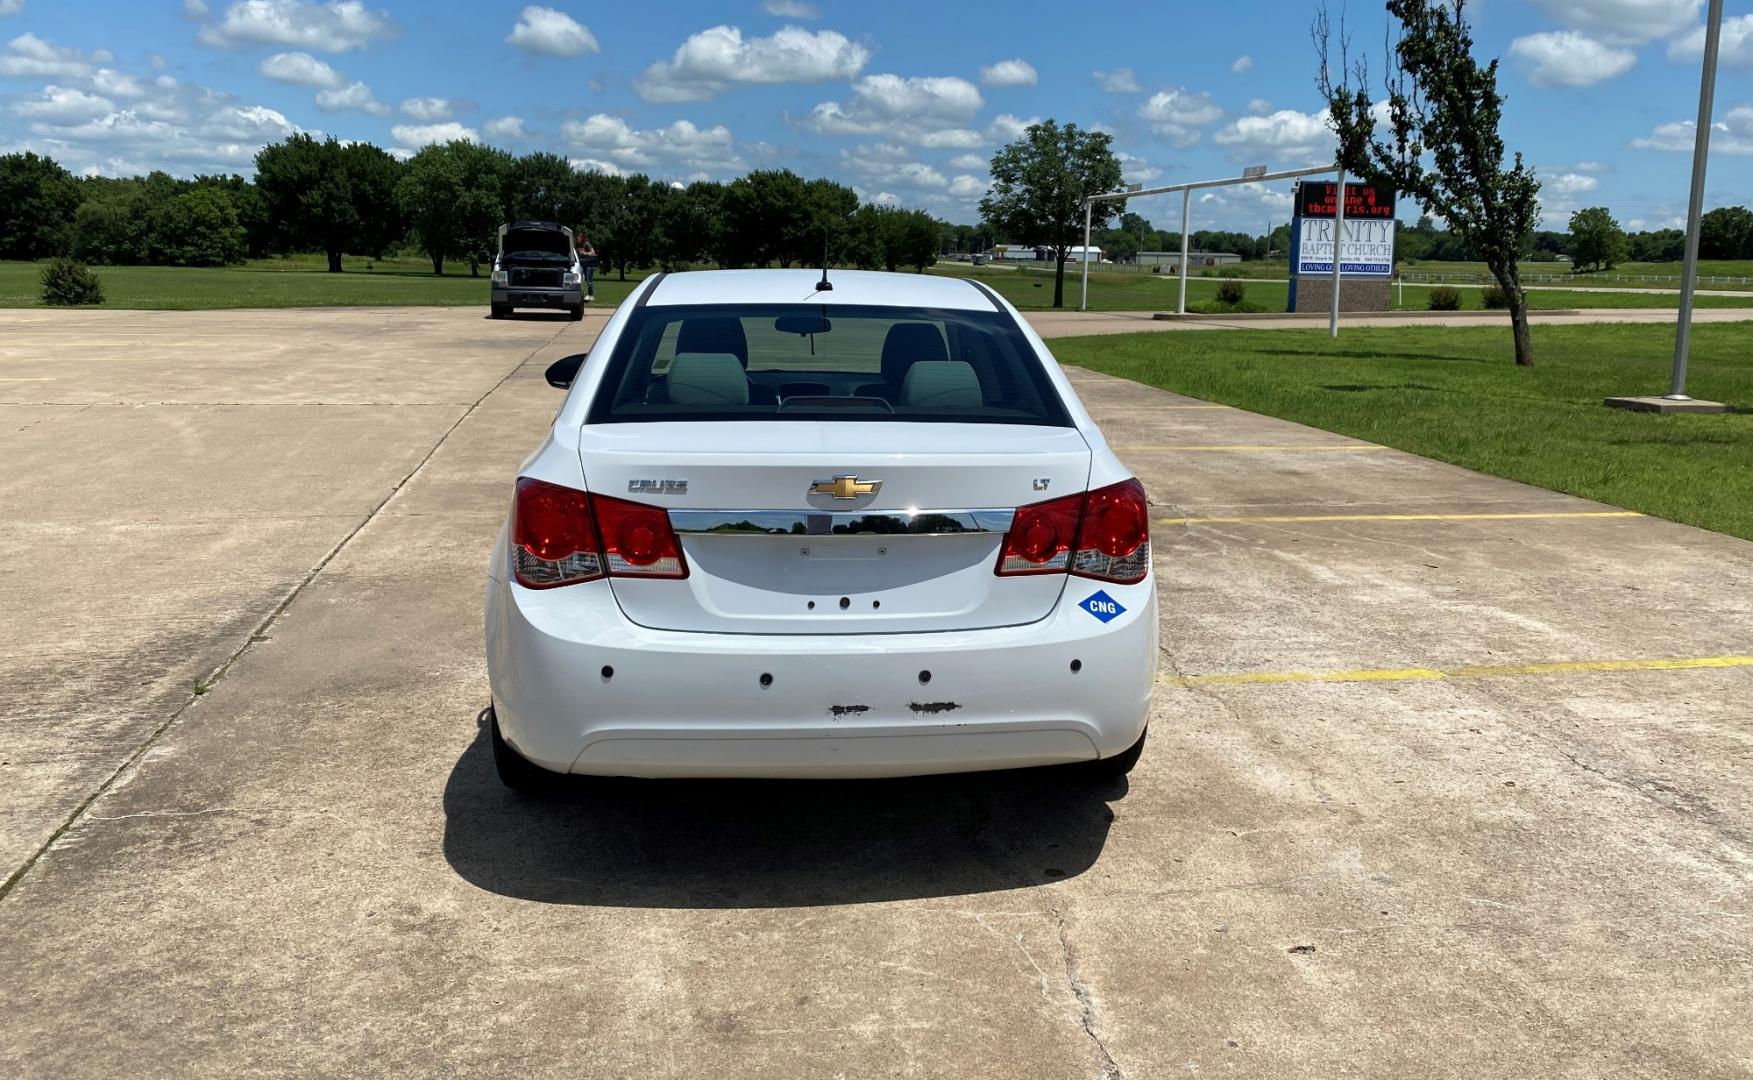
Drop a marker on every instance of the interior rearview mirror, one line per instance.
(802, 324)
(562, 371)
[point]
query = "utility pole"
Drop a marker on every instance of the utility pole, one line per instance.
(1700, 154)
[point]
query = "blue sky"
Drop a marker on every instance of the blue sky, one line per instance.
(905, 101)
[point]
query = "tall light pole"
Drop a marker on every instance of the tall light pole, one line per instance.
(1700, 153)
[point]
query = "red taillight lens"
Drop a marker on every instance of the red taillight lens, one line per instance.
(1040, 537)
(553, 541)
(1113, 543)
(638, 540)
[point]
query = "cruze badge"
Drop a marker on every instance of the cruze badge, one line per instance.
(846, 487)
(657, 487)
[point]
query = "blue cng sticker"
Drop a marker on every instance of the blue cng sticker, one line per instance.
(1103, 606)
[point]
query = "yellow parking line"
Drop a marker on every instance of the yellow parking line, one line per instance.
(1297, 518)
(1477, 671)
(1257, 449)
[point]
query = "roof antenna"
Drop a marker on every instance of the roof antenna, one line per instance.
(824, 285)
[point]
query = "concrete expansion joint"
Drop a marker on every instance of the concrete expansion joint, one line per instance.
(1110, 1069)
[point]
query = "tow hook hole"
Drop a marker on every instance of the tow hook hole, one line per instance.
(608, 672)
(924, 677)
(845, 602)
(766, 679)
(1076, 666)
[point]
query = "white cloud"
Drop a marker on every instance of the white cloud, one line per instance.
(11, 7)
(681, 143)
(1568, 58)
(1733, 134)
(426, 108)
(195, 9)
(1177, 115)
(712, 61)
(968, 187)
(1624, 21)
(1569, 184)
(59, 104)
(1008, 128)
(543, 31)
(355, 95)
(889, 165)
(116, 84)
(607, 168)
(926, 111)
(1259, 106)
(968, 161)
(1286, 134)
(1118, 81)
(1242, 64)
(1734, 49)
(1009, 73)
(28, 55)
(790, 9)
(301, 69)
(336, 26)
(505, 127)
(425, 134)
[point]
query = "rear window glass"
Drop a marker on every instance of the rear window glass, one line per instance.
(816, 362)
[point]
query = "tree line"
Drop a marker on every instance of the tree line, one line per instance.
(446, 202)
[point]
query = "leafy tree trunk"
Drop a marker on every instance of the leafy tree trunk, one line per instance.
(334, 260)
(1509, 279)
(1059, 279)
(438, 262)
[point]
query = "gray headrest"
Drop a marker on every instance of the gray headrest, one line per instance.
(942, 384)
(707, 379)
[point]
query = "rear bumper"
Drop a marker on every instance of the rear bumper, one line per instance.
(691, 704)
(523, 296)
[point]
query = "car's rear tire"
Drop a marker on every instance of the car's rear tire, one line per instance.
(499, 311)
(576, 311)
(516, 771)
(1120, 764)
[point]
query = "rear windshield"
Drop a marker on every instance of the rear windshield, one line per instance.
(816, 362)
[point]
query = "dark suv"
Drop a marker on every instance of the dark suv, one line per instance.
(536, 267)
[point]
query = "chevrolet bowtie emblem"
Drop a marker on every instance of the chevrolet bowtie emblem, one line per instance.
(846, 487)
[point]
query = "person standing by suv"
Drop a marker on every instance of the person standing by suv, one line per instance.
(587, 262)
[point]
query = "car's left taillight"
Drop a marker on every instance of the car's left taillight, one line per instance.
(553, 538)
(638, 540)
(1113, 540)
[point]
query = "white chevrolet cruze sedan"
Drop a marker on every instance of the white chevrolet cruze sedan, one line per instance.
(784, 528)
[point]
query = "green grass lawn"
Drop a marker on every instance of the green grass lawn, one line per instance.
(1621, 276)
(300, 281)
(1456, 396)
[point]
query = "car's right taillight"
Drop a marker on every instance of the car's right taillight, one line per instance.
(553, 538)
(1113, 543)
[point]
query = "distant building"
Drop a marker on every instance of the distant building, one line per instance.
(1196, 259)
(1029, 253)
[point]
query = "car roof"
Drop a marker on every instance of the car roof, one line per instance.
(851, 287)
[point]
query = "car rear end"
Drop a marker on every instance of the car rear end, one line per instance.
(867, 537)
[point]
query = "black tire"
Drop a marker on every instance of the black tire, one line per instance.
(516, 771)
(577, 312)
(499, 311)
(1120, 764)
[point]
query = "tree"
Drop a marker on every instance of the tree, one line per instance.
(761, 210)
(1119, 245)
(1596, 240)
(38, 199)
(329, 197)
(824, 226)
(1442, 145)
(451, 194)
(1659, 245)
(200, 228)
(1039, 183)
(1726, 233)
(690, 225)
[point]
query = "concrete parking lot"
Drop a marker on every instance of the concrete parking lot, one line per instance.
(1448, 776)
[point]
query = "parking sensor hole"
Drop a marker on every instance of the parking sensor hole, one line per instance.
(845, 602)
(608, 672)
(876, 604)
(812, 605)
(924, 677)
(1076, 666)
(766, 679)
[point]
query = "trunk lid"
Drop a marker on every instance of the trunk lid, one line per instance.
(767, 554)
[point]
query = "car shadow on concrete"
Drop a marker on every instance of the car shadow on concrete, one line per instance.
(771, 844)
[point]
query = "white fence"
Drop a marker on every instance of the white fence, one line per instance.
(1581, 281)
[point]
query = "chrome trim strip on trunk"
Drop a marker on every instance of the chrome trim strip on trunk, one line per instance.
(840, 522)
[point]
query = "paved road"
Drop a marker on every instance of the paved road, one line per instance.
(1448, 775)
